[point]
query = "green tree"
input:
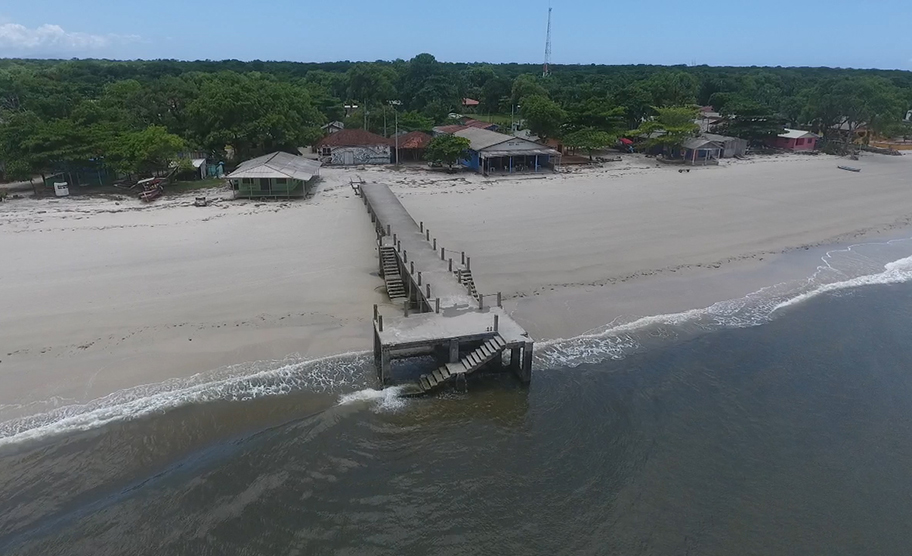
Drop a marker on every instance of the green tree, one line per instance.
(447, 149)
(526, 86)
(670, 127)
(144, 151)
(749, 120)
(543, 116)
(589, 139)
(596, 113)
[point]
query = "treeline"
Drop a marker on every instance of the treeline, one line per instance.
(136, 116)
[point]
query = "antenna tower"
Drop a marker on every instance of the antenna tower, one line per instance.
(546, 70)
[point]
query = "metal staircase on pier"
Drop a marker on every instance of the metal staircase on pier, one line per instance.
(465, 278)
(389, 261)
(451, 371)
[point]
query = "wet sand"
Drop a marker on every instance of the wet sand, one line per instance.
(101, 295)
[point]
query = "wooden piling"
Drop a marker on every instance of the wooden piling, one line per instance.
(463, 258)
(468, 263)
(443, 253)
(499, 300)
(496, 322)
(380, 322)
(428, 286)
(451, 265)
(437, 305)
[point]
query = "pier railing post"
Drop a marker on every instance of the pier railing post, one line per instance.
(376, 311)
(437, 305)
(419, 278)
(422, 227)
(395, 239)
(404, 257)
(463, 258)
(427, 233)
(499, 300)
(380, 322)
(389, 229)
(468, 263)
(451, 265)
(480, 302)
(428, 286)
(443, 253)
(496, 322)
(435, 244)
(406, 308)
(412, 267)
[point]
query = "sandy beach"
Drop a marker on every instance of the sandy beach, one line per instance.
(98, 295)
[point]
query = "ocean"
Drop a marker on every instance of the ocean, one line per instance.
(780, 423)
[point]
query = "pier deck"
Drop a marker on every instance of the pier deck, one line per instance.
(441, 312)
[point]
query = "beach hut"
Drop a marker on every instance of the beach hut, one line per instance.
(354, 146)
(699, 151)
(492, 152)
(274, 175)
(731, 146)
(796, 140)
(411, 146)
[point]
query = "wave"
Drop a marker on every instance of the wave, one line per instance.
(348, 377)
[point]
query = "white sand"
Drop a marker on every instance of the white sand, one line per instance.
(97, 296)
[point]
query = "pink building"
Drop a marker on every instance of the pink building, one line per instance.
(796, 140)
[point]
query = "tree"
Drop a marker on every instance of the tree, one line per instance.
(595, 113)
(749, 120)
(542, 116)
(144, 151)
(526, 86)
(447, 149)
(589, 139)
(670, 128)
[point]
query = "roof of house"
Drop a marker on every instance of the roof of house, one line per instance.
(482, 138)
(470, 102)
(352, 138)
(696, 143)
(414, 140)
(278, 165)
(797, 134)
(478, 123)
(449, 129)
(720, 138)
(336, 123)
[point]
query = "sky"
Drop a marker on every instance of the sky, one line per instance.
(836, 33)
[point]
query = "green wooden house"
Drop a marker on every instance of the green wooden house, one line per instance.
(276, 175)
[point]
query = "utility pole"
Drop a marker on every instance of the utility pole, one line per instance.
(394, 104)
(546, 70)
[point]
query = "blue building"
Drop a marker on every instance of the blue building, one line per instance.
(493, 153)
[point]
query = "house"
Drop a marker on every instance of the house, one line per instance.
(708, 118)
(491, 152)
(353, 146)
(332, 127)
(274, 175)
(411, 146)
(447, 129)
(470, 103)
(699, 151)
(796, 140)
(731, 146)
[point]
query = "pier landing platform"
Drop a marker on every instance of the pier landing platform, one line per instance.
(439, 311)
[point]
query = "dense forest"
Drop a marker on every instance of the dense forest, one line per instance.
(136, 116)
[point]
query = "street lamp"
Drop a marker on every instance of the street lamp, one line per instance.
(394, 104)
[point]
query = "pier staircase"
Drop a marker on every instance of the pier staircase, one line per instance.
(465, 278)
(389, 262)
(465, 366)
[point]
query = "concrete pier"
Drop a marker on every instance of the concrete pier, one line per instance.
(442, 314)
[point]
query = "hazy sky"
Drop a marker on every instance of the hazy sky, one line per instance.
(845, 33)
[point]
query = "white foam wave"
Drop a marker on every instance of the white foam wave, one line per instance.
(895, 272)
(385, 399)
(263, 379)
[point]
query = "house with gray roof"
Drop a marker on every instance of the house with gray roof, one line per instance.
(491, 152)
(274, 175)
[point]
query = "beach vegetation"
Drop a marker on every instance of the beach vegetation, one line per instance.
(447, 149)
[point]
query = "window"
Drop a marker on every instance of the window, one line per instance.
(247, 181)
(327, 151)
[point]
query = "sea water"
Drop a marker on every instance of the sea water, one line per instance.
(780, 423)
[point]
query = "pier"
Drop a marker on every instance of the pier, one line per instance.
(439, 313)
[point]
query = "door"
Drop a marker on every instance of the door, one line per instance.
(348, 158)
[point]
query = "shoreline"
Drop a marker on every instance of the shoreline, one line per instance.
(226, 286)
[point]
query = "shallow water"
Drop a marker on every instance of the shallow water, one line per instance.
(758, 426)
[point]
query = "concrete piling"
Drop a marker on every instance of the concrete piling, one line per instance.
(435, 244)
(451, 265)
(499, 300)
(496, 322)
(443, 253)
(428, 290)
(380, 322)
(437, 305)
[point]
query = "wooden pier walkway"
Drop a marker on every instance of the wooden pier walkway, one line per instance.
(439, 311)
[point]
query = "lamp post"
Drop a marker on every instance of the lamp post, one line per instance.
(394, 104)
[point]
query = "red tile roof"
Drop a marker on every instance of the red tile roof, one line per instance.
(413, 140)
(470, 102)
(478, 124)
(352, 138)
